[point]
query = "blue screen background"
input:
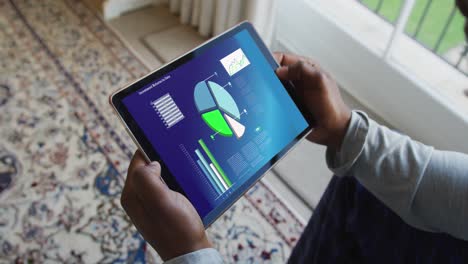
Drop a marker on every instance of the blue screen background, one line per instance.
(272, 120)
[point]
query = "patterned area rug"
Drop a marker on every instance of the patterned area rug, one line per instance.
(63, 153)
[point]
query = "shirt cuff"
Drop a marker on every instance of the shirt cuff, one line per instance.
(353, 143)
(205, 256)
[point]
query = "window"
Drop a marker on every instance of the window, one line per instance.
(437, 27)
(383, 53)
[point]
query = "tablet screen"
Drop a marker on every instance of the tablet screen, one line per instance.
(217, 120)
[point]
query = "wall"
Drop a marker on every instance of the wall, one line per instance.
(402, 100)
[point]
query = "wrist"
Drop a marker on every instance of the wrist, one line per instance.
(203, 243)
(206, 255)
(182, 250)
(339, 132)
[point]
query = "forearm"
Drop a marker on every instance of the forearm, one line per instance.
(395, 169)
(388, 164)
(442, 198)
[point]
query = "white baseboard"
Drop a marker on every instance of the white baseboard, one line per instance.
(115, 8)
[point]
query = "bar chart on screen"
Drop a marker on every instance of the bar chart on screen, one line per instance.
(211, 169)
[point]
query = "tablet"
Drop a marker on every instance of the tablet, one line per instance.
(216, 118)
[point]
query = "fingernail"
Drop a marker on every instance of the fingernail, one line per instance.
(154, 164)
(280, 69)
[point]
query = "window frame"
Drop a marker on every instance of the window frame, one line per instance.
(379, 83)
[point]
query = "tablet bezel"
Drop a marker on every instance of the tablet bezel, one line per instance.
(138, 136)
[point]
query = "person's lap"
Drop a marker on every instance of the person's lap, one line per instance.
(351, 226)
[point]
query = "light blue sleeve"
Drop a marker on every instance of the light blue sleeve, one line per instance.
(202, 256)
(427, 188)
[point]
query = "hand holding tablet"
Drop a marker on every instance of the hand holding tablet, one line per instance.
(165, 218)
(313, 92)
(216, 119)
(320, 95)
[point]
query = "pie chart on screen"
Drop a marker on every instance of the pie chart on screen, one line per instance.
(218, 109)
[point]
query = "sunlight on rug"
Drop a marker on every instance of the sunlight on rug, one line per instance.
(64, 154)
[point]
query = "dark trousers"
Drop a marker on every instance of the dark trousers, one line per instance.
(350, 225)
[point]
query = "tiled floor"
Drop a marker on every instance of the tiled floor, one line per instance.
(156, 35)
